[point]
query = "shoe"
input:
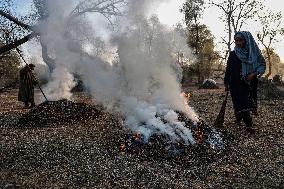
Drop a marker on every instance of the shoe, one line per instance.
(238, 122)
(254, 112)
(27, 106)
(250, 130)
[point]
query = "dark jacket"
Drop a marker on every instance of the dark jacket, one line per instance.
(244, 93)
(27, 83)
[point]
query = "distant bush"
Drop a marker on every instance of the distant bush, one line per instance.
(277, 79)
(267, 89)
(9, 69)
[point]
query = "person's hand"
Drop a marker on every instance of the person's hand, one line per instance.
(251, 76)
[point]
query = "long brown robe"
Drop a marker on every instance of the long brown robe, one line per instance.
(27, 83)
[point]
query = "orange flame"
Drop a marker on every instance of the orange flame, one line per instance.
(200, 135)
(137, 136)
(122, 148)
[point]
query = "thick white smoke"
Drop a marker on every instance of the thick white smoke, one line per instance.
(141, 82)
(61, 83)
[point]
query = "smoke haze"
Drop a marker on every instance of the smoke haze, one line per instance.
(140, 80)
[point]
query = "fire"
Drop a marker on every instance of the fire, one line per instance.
(137, 137)
(133, 139)
(186, 96)
(200, 135)
(122, 148)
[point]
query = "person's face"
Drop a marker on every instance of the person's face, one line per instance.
(240, 42)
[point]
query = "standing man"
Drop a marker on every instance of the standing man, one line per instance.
(27, 83)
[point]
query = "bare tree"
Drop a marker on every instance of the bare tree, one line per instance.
(235, 14)
(271, 29)
(193, 10)
(180, 45)
(9, 61)
(107, 8)
(11, 28)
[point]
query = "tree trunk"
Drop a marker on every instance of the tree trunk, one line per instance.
(197, 36)
(46, 58)
(269, 63)
(230, 32)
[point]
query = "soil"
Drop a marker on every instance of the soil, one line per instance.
(79, 148)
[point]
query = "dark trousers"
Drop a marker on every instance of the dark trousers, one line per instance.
(246, 117)
(253, 94)
(30, 101)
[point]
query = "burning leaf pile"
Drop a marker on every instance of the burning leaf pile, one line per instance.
(157, 144)
(53, 113)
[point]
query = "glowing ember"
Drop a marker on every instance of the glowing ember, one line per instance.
(137, 137)
(122, 148)
(200, 135)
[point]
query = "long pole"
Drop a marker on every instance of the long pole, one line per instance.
(18, 50)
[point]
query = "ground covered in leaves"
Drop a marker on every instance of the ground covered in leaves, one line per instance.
(80, 148)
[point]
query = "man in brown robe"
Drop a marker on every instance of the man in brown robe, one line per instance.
(27, 83)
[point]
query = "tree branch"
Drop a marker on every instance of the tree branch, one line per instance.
(219, 6)
(17, 43)
(15, 20)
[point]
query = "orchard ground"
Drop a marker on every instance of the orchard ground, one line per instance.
(85, 153)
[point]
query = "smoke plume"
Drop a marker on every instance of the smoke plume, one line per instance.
(140, 80)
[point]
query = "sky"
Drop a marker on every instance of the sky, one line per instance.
(169, 14)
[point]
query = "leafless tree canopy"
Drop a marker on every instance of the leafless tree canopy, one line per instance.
(235, 14)
(271, 29)
(107, 8)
